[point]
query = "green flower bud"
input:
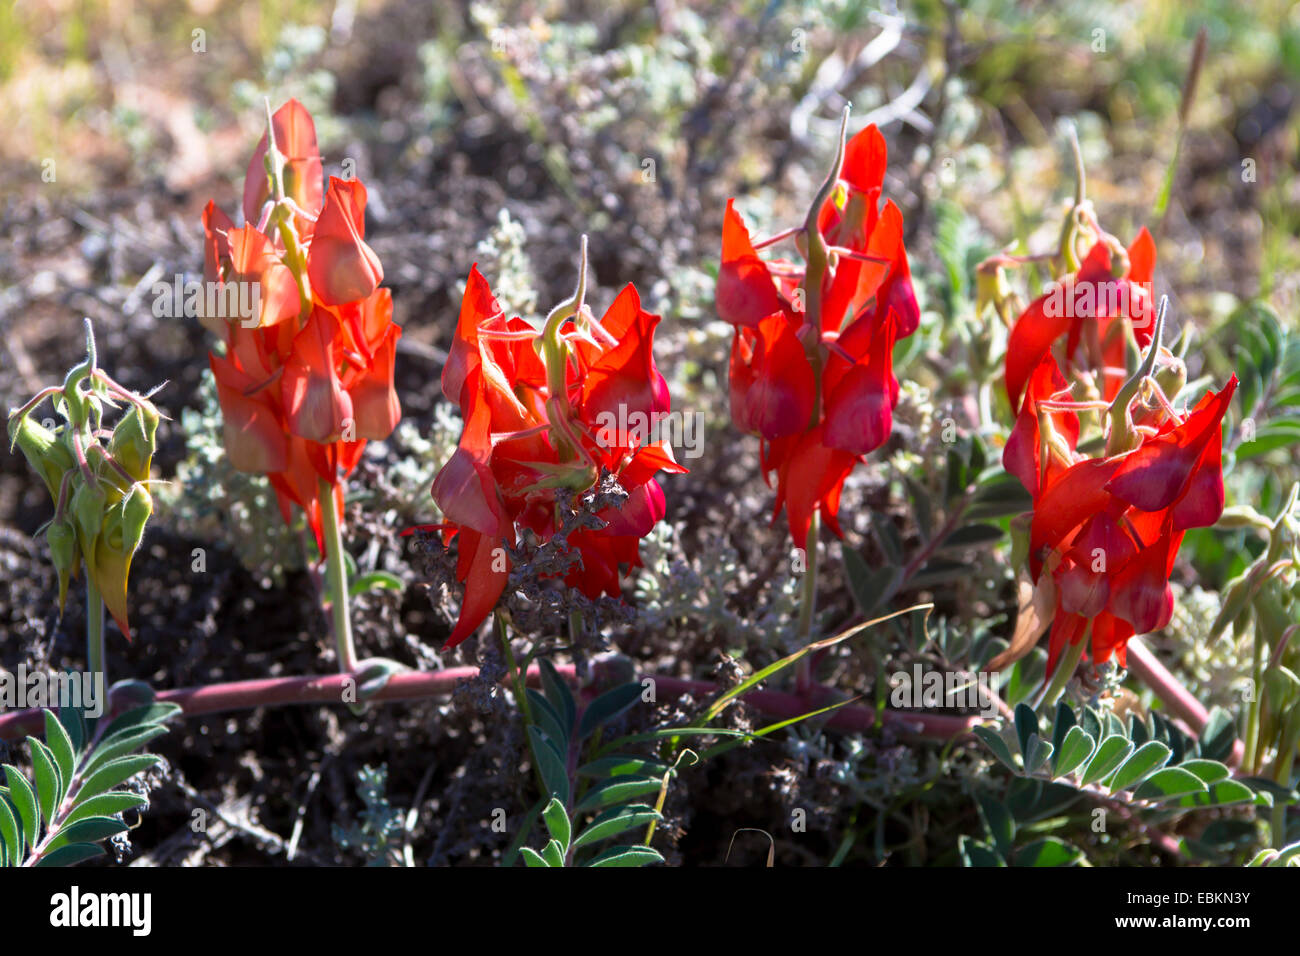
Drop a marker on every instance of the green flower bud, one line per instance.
(133, 440)
(61, 536)
(47, 455)
(88, 504)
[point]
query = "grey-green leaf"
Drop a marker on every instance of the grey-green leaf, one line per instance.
(1146, 760)
(60, 744)
(557, 823)
(71, 854)
(113, 773)
(1113, 751)
(1075, 749)
(627, 856)
(617, 820)
(24, 799)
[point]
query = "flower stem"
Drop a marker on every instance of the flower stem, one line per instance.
(336, 572)
(807, 605)
(95, 630)
(1065, 669)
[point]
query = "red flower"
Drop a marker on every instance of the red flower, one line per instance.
(1108, 528)
(538, 422)
(812, 355)
(305, 382)
(1087, 309)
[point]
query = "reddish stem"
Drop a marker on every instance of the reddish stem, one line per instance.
(420, 685)
(1171, 691)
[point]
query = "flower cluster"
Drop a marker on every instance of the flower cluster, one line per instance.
(1107, 527)
(537, 407)
(1093, 311)
(812, 354)
(307, 376)
(97, 477)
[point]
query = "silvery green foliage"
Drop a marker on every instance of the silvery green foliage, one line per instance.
(211, 501)
(502, 258)
(691, 590)
(411, 458)
(376, 833)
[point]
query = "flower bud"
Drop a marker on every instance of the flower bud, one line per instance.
(47, 455)
(133, 440)
(61, 536)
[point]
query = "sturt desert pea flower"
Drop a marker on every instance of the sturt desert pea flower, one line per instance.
(812, 354)
(308, 379)
(1089, 315)
(538, 407)
(98, 481)
(1105, 530)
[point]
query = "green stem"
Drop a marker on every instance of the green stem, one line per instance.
(1278, 822)
(1249, 759)
(95, 630)
(1065, 669)
(336, 572)
(807, 605)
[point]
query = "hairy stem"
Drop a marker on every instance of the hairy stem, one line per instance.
(336, 572)
(807, 605)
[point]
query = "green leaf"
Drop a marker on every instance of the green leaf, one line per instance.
(125, 742)
(49, 782)
(617, 790)
(619, 766)
(1218, 735)
(113, 773)
(993, 740)
(1209, 771)
(148, 714)
(74, 724)
(558, 693)
(890, 540)
(60, 744)
(1001, 825)
(1113, 751)
(24, 799)
(553, 854)
(1037, 753)
(11, 832)
(1169, 783)
(921, 506)
(551, 764)
(71, 855)
(627, 856)
(375, 581)
(546, 718)
(1145, 761)
(88, 830)
(870, 587)
(973, 853)
(607, 707)
(1061, 725)
(1219, 794)
(532, 858)
(106, 805)
(1026, 724)
(1075, 749)
(1048, 851)
(557, 824)
(617, 820)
